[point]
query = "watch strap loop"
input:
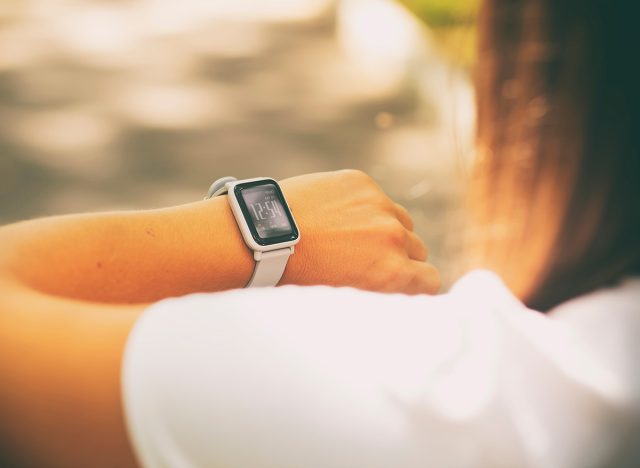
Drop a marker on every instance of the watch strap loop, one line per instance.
(269, 265)
(219, 187)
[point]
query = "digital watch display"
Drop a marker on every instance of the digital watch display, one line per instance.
(266, 212)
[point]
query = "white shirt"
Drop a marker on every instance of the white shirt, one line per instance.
(326, 378)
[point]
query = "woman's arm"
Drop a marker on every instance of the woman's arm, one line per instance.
(61, 341)
(128, 257)
(352, 235)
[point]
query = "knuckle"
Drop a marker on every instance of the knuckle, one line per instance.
(400, 209)
(380, 207)
(396, 234)
(386, 203)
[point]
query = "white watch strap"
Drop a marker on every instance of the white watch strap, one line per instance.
(269, 267)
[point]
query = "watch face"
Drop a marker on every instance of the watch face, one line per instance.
(266, 212)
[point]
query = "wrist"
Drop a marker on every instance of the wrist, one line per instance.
(230, 260)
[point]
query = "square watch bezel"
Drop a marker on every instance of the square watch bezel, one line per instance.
(237, 193)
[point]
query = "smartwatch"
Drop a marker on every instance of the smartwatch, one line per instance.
(266, 224)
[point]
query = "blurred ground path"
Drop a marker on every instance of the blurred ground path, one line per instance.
(135, 104)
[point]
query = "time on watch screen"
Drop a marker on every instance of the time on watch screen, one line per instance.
(267, 212)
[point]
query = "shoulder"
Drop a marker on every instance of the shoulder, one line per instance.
(622, 298)
(608, 320)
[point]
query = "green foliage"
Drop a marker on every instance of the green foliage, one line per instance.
(453, 24)
(443, 13)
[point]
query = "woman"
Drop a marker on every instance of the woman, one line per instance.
(343, 377)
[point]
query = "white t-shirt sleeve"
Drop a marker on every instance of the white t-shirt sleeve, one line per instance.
(327, 378)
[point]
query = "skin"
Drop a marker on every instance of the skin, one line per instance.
(72, 287)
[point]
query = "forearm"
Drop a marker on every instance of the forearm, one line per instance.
(129, 257)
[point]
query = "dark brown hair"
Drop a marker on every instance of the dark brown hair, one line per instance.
(555, 196)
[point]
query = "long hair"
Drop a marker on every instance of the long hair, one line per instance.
(555, 194)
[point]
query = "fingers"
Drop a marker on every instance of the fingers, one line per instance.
(416, 249)
(425, 278)
(403, 216)
(414, 277)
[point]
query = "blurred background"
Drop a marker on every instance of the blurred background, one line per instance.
(130, 104)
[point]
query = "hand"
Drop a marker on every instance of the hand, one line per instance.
(352, 234)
